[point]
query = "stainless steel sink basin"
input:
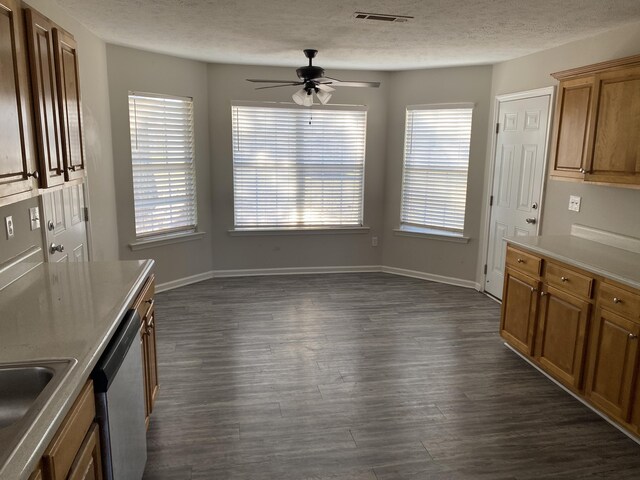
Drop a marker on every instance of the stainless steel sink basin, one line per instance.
(23, 388)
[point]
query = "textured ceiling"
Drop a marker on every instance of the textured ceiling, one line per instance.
(273, 32)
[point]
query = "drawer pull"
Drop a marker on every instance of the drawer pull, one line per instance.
(617, 300)
(521, 260)
(633, 336)
(564, 279)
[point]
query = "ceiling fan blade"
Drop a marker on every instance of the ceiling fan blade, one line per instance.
(282, 85)
(257, 80)
(355, 84)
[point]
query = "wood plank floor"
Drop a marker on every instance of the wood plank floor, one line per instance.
(359, 377)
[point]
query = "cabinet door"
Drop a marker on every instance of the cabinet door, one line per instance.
(519, 304)
(561, 337)
(45, 99)
(145, 371)
(87, 464)
(68, 82)
(616, 151)
(613, 363)
(16, 156)
(152, 361)
(573, 127)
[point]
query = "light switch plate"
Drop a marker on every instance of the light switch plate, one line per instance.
(374, 241)
(574, 203)
(8, 222)
(34, 217)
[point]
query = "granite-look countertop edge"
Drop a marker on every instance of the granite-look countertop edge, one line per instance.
(27, 453)
(604, 260)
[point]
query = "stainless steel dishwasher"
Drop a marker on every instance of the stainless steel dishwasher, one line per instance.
(118, 382)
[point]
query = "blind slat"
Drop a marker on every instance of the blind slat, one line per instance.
(436, 164)
(164, 188)
(295, 167)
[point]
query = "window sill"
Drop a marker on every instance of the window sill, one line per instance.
(161, 240)
(432, 234)
(299, 231)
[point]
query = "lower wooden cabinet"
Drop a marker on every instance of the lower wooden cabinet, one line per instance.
(561, 336)
(613, 363)
(519, 307)
(88, 463)
(582, 329)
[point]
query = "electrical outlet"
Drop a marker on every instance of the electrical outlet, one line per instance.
(374, 241)
(8, 221)
(574, 203)
(34, 217)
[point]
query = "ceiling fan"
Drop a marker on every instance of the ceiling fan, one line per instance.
(313, 81)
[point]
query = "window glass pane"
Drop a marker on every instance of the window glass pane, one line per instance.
(164, 187)
(297, 167)
(436, 163)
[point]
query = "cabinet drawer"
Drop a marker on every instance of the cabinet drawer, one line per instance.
(568, 280)
(144, 300)
(62, 451)
(620, 301)
(524, 262)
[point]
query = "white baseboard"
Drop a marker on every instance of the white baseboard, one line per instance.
(459, 282)
(181, 282)
(254, 272)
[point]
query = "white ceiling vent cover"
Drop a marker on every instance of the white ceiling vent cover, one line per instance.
(381, 17)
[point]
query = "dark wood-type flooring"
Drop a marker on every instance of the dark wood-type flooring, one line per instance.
(359, 376)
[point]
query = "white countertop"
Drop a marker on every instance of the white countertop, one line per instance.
(61, 311)
(614, 263)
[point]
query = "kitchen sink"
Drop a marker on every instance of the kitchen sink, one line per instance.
(23, 388)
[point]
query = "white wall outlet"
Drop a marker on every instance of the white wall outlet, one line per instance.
(574, 203)
(8, 221)
(34, 217)
(374, 241)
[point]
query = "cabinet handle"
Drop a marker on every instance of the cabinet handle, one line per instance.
(520, 260)
(542, 294)
(533, 289)
(582, 170)
(35, 175)
(633, 336)
(617, 300)
(564, 279)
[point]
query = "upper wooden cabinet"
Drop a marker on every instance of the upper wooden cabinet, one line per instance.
(66, 60)
(596, 123)
(17, 163)
(45, 97)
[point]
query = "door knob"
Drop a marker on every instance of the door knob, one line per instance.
(53, 248)
(531, 221)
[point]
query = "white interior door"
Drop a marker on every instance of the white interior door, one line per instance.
(518, 179)
(65, 225)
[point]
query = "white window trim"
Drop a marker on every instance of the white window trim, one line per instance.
(170, 235)
(301, 229)
(406, 230)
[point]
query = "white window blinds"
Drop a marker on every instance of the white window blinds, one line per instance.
(164, 186)
(436, 163)
(298, 167)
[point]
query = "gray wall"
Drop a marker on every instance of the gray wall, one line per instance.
(609, 208)
(136, 70)
(447, 85)
(227, 83)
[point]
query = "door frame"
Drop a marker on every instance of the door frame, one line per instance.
(507, 97)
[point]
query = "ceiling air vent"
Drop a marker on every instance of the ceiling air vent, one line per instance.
(381, 17)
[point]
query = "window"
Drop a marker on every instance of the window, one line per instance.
(164, 187)
(298, 167)
(436, 162)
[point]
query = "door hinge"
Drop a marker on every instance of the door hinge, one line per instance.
(485, 268)
(86, 214)
(491, 201)
(497, 128)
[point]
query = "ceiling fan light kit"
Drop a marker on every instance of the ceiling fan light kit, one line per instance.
(313, 82)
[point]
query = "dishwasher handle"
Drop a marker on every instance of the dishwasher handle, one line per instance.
(107, 367)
